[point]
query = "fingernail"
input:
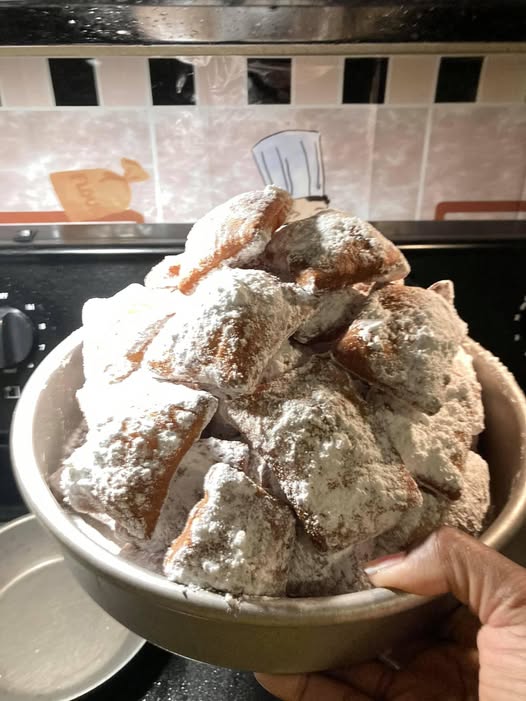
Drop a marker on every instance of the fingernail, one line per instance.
(383, 563)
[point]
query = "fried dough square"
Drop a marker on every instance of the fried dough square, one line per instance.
(468, 513)
(331, 250)
(228, 331)
(404, 340)
(118, 329)
(234, 234)
(132, 452)
(434, 448)
(187, 485)
(313, 430)
(237, 539)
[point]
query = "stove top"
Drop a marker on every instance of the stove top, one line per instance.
(156, 675)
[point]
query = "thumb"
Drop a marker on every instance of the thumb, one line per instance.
(450, 561)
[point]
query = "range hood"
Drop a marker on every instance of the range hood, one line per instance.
(181, 27)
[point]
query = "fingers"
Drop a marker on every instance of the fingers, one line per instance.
(371, 678)
(308, 687)
(490, 584)
(438, 672)
(461, 627)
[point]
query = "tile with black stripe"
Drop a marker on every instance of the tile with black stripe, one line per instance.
(458, 79)
(269, 81)
(172, 82)
(364, 80)
(73, 81)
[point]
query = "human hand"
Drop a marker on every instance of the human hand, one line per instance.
(452, 669)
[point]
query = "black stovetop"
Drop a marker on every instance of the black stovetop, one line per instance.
(156, 675)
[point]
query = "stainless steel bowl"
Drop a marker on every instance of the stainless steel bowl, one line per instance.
(272, 635)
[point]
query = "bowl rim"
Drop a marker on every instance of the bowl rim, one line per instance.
(269, 611)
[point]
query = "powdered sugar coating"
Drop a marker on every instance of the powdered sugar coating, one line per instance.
(287, 358)
(259, 472)
(335, 309)
(238, 539)
(132, 451)
(313, 430)
(165, 273)
(444, 288)
(318, 442)
(235, 233)
(227, 332)
(117, 330)
(313, 572)
(415, 525)
(187, 485)
(74, 441)
(465, 388)
(434, 448)
(331, 250)
(467, 513)
(185, 490)
(404, 341)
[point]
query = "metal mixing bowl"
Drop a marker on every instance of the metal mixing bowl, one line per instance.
(272, 635)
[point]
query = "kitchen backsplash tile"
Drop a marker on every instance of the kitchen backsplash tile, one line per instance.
(458, 79)
(123, 81)
(25, 82)
(172, 82)
(503, 79)
(35, 144)
(155, 139)
(268, 81)
(364, 80)
(221, 81)
(318, 80)
(399, 140)
(346, 136)
(182, 150)
(411, 79)
(477, 154)
(73, 81)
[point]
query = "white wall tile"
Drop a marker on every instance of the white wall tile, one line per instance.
(411, 79)
(123, 81)
(25, 82)
(318, 80)
(503, 79)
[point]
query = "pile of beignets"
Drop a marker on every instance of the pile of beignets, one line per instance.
(274, 406)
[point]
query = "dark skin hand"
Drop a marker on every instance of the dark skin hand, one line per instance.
(480, 654)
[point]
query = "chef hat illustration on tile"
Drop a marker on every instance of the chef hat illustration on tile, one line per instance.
(96, 193)
(292, 160)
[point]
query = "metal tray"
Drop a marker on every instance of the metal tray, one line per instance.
(55, 642)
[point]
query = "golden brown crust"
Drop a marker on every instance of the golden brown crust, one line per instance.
(184, 539)
(149, 512)
(404, 341)
(331, 250)
(165, 274)
(316, 434)
(228, 331)
(138, 438)
(230, 231)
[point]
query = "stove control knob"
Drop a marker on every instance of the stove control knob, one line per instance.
(16, 337)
